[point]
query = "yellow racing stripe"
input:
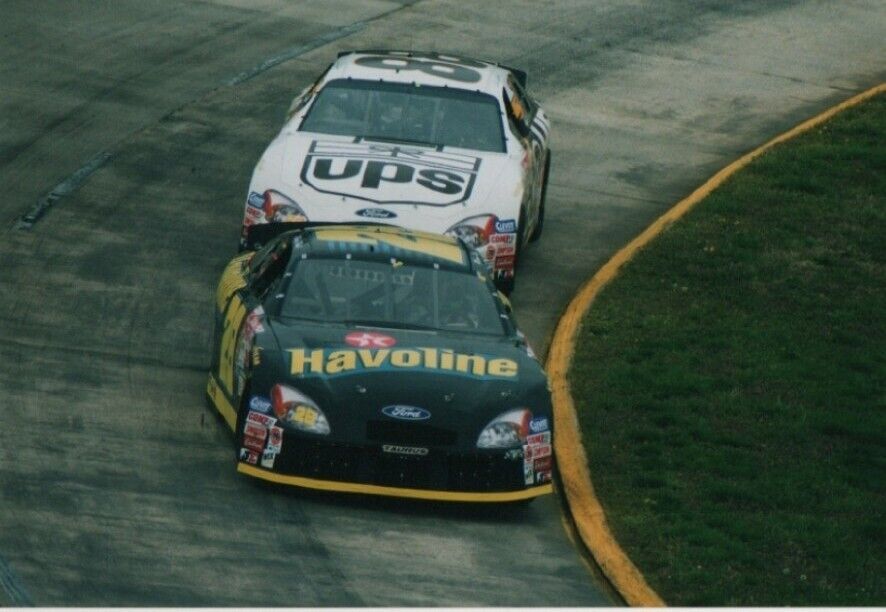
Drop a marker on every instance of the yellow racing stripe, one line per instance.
(349, 487)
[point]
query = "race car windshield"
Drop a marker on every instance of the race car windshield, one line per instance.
(403, 112)
(379, 294)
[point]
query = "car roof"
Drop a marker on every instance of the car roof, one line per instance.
(384, 243)
(486, 77)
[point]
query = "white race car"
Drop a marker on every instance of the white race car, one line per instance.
(420, 140)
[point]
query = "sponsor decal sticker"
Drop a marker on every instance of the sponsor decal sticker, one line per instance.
(528, 473)
(503, 239)
(406, 413)
(260, 404)
(505, 263)
(252, 215)
(248, 456)
(505, 226)
(262, 419)
(539, 450)
(414, 451)
(256, 444)
(542, 477)
(505, 249)
(540, 438)
(256, 200)
(538, 425)
(275, 439)
(375, 213)
(268, 458)
(254, 323)
(369, 340)
(254, 430)
(330, 362)
(543, 464)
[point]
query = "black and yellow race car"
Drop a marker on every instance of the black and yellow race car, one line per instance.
(372, 359)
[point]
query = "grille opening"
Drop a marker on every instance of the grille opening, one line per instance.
(395, 432)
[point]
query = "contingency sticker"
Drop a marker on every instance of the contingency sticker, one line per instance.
(261, 438)
(538, 453)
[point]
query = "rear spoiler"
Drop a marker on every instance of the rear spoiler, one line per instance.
(520, 75)
(256, 236)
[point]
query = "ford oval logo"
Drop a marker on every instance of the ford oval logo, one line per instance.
(376, 213)
(406, 413)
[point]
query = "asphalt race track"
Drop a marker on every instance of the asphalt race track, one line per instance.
(134, 125)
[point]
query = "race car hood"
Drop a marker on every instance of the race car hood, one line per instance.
(343, 178)
(363, 378)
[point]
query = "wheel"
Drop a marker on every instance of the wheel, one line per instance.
(536, 233)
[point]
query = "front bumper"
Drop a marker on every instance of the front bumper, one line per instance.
(440, 474)
(444, 475)
(369, 489)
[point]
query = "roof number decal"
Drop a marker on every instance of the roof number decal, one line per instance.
(441, 66)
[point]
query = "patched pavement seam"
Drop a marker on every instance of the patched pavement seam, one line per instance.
(586, 510)
(68, 186)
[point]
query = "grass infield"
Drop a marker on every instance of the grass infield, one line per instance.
(730, 383)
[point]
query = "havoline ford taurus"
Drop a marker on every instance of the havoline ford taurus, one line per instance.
(378, 360)
(419, 140)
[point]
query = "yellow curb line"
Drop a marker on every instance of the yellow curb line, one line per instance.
(588, 514)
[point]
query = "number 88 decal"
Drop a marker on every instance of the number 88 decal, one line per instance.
(442, 66)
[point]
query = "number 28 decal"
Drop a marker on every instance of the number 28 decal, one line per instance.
(442, 66)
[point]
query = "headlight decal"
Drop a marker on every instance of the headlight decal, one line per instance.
(474, 231)
(521, 435)
(272, 206)
(495, 239)
(297, 410)
(507, 430)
